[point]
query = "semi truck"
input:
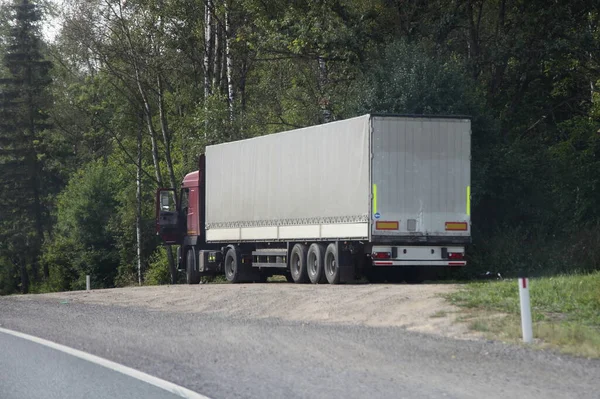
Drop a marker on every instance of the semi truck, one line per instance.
(378, 196)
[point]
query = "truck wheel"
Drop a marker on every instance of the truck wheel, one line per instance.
(179, 256)
(332, 269)
(298, 264)
(316, 263)
(191, 274)
(233, 266)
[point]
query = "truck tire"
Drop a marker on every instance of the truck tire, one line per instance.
(233, 266)
(192, 275)
(298, 264)
(316, 263)
(332, 268)
(179, 258)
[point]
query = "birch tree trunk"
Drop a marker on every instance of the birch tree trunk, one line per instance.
(207, 54)
(138, 202)
(217, 60)
(151, 130)
(229, 61)
(164, 127)
(144, 97)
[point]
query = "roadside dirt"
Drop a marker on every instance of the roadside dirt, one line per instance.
(414, 307)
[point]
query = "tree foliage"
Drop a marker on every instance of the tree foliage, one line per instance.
(86, 235)
(26, 179)
(140, 87)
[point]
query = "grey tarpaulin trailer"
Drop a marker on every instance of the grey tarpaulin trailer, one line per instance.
(386, 191)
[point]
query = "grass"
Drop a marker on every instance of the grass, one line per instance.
(439, 313)
(565, 310)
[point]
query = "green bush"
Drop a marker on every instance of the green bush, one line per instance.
(85, 238)
(158, 268)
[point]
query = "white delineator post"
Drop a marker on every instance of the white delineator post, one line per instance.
(88, 285)
(525, 310)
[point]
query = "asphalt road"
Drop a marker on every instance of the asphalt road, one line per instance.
(31, 370)
(247, 358)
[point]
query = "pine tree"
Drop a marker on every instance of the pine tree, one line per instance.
(23, 120)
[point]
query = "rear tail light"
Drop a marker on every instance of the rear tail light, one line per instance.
(456, 255)
(382, 255)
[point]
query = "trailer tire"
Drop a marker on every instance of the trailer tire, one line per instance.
(332, 267)
(298, 264)
(316, 263)
(233, 266)
(192, 275)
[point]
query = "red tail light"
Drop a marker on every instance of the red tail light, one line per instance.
(456, 255)
(382, 255)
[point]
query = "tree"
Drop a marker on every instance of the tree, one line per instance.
(86, 237)
(24, 103)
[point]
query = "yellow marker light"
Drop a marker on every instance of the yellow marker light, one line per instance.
(381, 225)
(468, 200)
(374, 199)
(456, 226)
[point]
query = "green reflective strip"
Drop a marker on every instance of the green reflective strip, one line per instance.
(468, 200)
(374, 199)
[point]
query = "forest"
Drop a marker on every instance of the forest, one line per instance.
(104, 101)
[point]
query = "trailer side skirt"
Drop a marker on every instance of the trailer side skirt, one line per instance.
(285, 233)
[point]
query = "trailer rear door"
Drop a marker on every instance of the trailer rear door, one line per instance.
(420, 176)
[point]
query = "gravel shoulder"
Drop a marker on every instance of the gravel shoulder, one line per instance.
(420, 308)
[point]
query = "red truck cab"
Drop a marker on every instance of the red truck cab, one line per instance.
(179, 215)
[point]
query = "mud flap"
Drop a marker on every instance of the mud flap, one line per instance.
(346, 264)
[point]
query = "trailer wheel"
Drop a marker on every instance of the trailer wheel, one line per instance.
(332, 268)
(316, 263)
(298, 264)
(192, 275)
(233, 266)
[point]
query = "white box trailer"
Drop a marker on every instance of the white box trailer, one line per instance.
(391, 190)
(338, 180)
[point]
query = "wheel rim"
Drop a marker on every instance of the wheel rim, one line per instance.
(312, 264)
(295, 265)
(190, 261)
(330, 265)
(229, 267)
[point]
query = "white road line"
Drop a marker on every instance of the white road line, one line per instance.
(147, 378)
